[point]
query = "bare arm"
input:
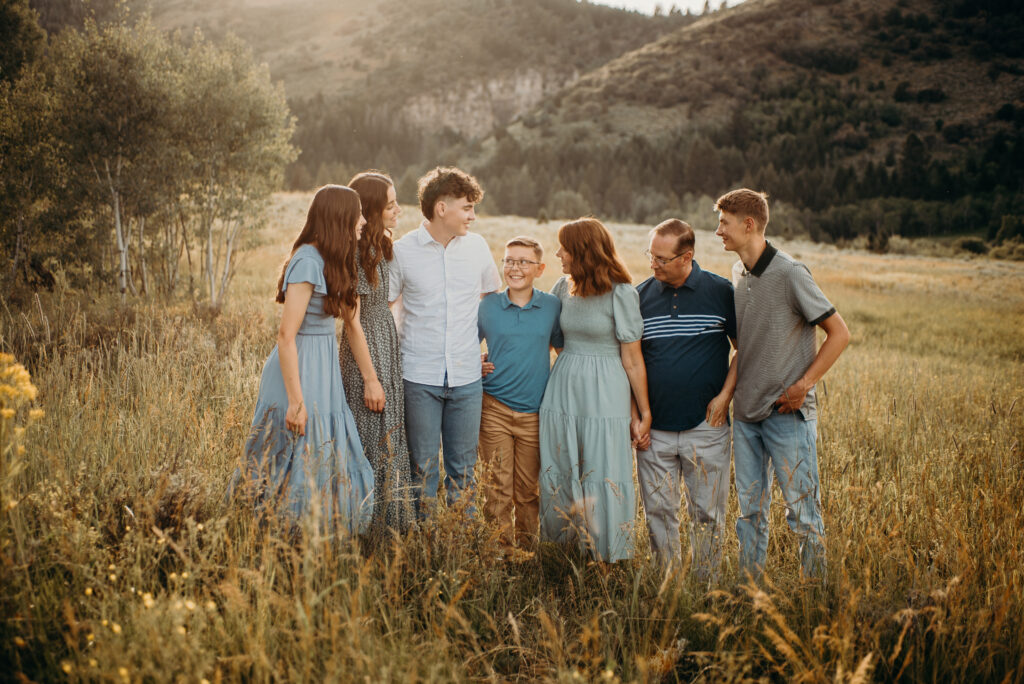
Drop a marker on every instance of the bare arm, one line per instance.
(636, 371)
(718, 407)
(296, 300)
(373, 391)
(837, 336)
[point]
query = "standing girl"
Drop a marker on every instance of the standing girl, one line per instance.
(303, 456)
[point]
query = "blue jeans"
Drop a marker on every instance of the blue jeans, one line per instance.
(782, 445)
(442, 416)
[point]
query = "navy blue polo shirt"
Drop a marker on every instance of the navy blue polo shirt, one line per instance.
(518, 342)
(686, 346)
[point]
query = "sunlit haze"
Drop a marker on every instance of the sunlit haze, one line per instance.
(647, 6)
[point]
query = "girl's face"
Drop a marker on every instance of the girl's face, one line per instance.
(565, 259)
(359, 226)
(391, 212)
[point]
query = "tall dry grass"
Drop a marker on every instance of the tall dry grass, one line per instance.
(120, 559)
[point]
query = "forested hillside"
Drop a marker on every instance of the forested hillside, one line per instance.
(862, 118)
(871, 117)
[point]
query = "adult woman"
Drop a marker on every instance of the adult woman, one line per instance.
(374, 376)
(303, 455)
(586, 471)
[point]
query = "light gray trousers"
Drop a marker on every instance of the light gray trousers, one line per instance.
(701, 455)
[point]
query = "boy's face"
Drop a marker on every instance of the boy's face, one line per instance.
(521, 267)
(456, 213)
(734, 231)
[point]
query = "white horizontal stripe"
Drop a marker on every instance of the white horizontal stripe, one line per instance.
(668, 334)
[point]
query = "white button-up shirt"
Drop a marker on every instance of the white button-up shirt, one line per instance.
(440, 289)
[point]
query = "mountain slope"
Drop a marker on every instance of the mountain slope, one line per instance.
(891, 110)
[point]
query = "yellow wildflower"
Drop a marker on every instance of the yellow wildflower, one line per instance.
(7, 413)
(88, 591)
(36, 414)
(19, 642)
(66, 666)
(115, 628)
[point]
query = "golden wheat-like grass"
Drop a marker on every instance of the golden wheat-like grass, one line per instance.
(121, 560)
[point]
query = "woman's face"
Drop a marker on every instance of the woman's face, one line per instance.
(359, 226)
(391, 212)
(565, 259)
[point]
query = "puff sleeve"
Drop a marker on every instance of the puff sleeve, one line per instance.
(306, 266)
(629, 324)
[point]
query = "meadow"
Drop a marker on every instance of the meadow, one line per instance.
(120, 559)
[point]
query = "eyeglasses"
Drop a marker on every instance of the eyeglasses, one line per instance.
(518, 263)
(661, 261)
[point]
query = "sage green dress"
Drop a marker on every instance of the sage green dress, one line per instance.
(586, 457)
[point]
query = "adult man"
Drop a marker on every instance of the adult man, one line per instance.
(520, 326)
(689, 323)
(441, 271)
(778, 307)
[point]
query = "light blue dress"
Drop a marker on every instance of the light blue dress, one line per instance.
(324, 473)
(586, 458)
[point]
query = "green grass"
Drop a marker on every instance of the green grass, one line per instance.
(121, 560)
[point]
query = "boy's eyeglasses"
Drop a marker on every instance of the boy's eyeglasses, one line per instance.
(661, 261)
(518, 263)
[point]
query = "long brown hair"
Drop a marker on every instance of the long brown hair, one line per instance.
(594, 264)
(331, 228)
(375, 243)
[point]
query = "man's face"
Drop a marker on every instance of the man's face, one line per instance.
(521, 267)
(733, 230)
(456, 213)
(668, 266)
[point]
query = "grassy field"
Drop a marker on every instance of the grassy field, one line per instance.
(120, 560)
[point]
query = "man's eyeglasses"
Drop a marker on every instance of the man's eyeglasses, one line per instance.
(661, 261)
(518, 263)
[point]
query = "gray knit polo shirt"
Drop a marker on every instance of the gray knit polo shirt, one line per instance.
(778, 305)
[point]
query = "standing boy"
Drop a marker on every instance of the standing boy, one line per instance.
(520, 326)
(440, 271)
(778, 307)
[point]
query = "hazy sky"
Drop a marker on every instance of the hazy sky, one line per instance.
(648, 5)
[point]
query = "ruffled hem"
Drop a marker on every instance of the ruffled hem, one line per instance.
(322, 475)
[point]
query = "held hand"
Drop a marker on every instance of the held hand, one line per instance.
(486, 367)
(640, 432)
(373, 396)
(718, 412)
(792, 397)
(295, 418)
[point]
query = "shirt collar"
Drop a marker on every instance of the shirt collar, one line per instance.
(766, 258)
(691, 280)
(425, 238)
(507, 303)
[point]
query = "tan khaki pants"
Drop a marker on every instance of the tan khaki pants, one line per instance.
(510, 458)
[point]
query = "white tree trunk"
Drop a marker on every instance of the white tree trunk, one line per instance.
(122, 242)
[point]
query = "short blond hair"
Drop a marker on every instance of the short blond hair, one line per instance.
(526, 241)
(745, 202)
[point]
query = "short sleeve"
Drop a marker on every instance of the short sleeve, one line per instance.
(305, 267)
(806, 297)
(629, 324)
(394, 278)
(729, 304)
(557, 338)
(490, 279)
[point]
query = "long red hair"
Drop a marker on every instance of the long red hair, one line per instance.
(331, 227)
(375, 244)
(594, 263)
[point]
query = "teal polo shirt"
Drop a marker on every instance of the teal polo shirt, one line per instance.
(518, 342)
